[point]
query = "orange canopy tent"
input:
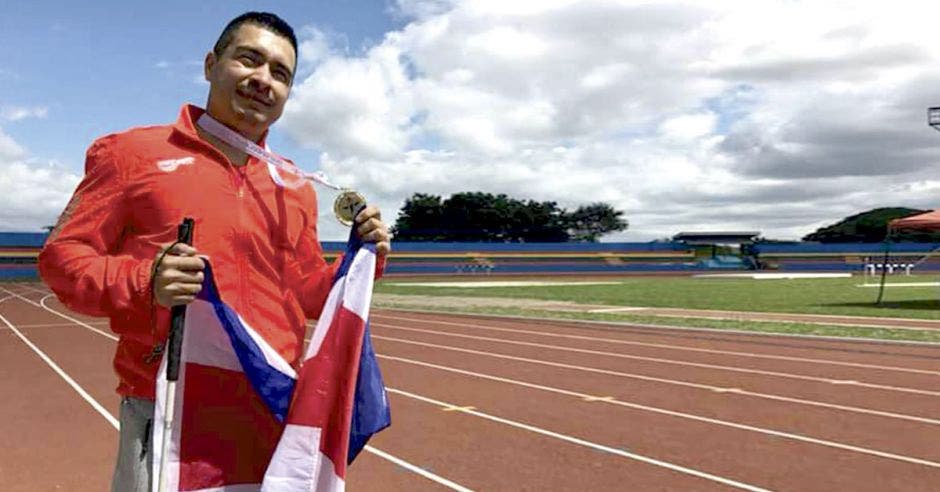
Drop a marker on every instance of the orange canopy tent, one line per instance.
(927, 221)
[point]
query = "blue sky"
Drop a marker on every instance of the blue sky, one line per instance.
(103, 66)
(780, 116)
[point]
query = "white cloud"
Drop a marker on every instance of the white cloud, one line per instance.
(778, 116)
(354, 106)
(9, 149)
(688, 127)
(316, 45)
(17, 113)
(32, 193)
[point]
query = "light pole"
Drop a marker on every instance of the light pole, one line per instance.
(933, 117)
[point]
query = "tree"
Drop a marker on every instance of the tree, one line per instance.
(420, 219)
(589, 222)
(870, 227)
(478, 216)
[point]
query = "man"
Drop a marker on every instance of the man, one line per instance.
(109, 254)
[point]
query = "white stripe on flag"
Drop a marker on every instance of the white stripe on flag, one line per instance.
(361, 274)
(270, 354)
(326, 318)
(291, 466)
(213, 348)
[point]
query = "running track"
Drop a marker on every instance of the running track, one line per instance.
(495, 404)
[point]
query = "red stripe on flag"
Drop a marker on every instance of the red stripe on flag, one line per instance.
(330, 378)
(229, 435)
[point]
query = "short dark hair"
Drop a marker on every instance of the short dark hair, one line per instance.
(266, 20)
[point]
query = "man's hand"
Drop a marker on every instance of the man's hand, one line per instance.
(371, 229)
(178, 278)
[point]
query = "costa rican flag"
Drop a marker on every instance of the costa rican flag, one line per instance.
(245, 421)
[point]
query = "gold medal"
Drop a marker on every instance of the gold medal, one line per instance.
(347, 205)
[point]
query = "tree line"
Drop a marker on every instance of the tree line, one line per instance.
(485, 217)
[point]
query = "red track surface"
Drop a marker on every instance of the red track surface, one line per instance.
(496, 404)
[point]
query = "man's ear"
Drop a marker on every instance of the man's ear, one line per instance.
(208, 64)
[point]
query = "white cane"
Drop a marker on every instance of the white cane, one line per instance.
(184, 234)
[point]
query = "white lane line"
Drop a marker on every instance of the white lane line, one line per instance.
(378, 452)
(617, 309)
(580, 442)
(26, 292)
(42, 305)
(669, 347)
(668, 361)
(707, 387)
(420, 471)
(1, 301)
(761, 430)
(55, 367)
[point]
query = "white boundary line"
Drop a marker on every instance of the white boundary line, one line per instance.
(58, 370)
(786, 435)
(580, 442)
(42, 305)
(665, 346)
(114, 422)
(670, 361)
(617, 309)
(706, 387)
(664, 327)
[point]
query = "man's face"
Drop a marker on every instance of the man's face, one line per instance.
(250, 81)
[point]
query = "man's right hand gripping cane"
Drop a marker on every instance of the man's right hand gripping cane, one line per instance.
(178, 277)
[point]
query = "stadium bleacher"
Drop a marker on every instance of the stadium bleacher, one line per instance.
(18, 252)
(533, 258)
(848, 257)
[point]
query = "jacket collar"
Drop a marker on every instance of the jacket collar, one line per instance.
(186, 124)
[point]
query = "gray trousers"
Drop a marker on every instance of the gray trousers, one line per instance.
(135, 458)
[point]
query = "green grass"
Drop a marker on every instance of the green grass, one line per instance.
(839, 296)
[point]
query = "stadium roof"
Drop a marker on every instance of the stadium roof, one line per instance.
(717, 237)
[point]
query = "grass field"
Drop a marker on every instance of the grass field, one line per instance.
(838, 296)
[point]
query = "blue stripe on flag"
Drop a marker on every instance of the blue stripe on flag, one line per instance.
(371, 412)
(274, 387)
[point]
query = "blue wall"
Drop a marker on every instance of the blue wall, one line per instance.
(556, 258)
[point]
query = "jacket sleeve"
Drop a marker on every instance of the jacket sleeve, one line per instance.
(80, 260)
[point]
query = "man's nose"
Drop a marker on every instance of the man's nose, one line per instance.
(262, 77)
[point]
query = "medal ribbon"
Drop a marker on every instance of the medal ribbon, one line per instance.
(238, 141)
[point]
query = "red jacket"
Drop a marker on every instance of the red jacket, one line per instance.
(261, 240)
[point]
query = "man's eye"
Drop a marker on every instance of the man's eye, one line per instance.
(281, 77)
(247, 59)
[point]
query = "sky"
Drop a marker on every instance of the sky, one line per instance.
(772, 116)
